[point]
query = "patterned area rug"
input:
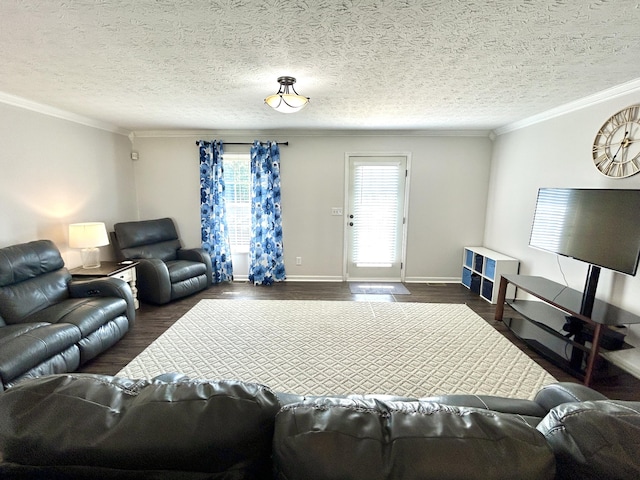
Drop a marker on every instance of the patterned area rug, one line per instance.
(342, 347)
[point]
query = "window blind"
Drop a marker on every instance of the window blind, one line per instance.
(237, 177)
(375, 212)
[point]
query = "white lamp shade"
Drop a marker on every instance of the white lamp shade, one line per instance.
(88, 235)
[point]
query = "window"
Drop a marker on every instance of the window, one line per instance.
(237, 178)
(375, 206)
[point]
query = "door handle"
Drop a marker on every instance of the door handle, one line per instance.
(351, 224)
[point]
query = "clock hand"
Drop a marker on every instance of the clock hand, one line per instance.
(623, 142)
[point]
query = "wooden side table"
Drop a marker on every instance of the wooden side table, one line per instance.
(123, 270)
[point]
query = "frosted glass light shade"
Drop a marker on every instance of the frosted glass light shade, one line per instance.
(88, 236)
(284, 101)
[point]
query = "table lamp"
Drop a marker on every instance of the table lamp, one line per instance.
(88, 236)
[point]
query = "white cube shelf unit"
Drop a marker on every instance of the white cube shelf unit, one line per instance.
(482, 269)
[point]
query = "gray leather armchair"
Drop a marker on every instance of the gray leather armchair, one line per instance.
(166, 271)
(50, 323)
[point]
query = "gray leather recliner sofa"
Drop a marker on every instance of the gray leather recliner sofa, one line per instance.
(90, 426)
(166, 271)
(50, 323)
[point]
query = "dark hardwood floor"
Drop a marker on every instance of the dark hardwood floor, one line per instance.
(152, 321)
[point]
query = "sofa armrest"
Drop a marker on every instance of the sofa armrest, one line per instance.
(105, 287)
(594, 440)
(555, 394)
(154, 285)
(197, 255)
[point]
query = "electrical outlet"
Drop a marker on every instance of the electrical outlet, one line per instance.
(336, 211)
(298, 260)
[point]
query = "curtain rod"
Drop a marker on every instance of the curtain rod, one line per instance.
(250, 143)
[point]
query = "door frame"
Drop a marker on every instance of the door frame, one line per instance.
(345, 233)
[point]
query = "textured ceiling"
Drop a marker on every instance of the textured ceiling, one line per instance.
(366, 64)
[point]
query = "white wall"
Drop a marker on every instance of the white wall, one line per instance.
(553, 153)
(448, 191)
(54, 172)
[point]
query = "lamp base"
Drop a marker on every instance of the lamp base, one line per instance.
(90, 257)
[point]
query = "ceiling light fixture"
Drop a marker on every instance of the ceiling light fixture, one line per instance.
(284, 101)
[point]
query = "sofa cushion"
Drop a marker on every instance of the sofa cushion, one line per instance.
(102, 338)
(223, 427)
(66, 361)
(32, 277)
(335, 438)
(148, 239)
(188, 286)
(528, 410)
(28, 260)
(164, 251)
(180, 270)
(24, 346)
(595, 440)
(88, 314)
(22, 299)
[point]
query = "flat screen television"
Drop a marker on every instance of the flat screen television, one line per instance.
(597, 226)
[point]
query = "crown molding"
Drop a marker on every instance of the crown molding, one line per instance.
(59, 113)
(243, 134)
(632, 86)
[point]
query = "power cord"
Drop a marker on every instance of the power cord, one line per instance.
(561, 271)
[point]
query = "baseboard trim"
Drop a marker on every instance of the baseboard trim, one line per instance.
(328, 278)
(313, 278)
(432, 280)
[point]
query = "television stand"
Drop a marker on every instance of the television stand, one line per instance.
(542, 324)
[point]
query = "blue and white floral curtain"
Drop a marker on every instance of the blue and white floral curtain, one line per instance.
(266, 260)
(213, 221)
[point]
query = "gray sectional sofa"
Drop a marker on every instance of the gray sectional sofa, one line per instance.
(50, 323)
(85, 426)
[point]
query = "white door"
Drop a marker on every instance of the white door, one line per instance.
(375, 217)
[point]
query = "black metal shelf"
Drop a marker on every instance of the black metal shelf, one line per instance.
(541, 324)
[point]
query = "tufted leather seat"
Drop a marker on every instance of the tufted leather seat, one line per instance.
(166, 271)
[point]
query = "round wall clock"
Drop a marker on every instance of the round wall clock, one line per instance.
(616, 148)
